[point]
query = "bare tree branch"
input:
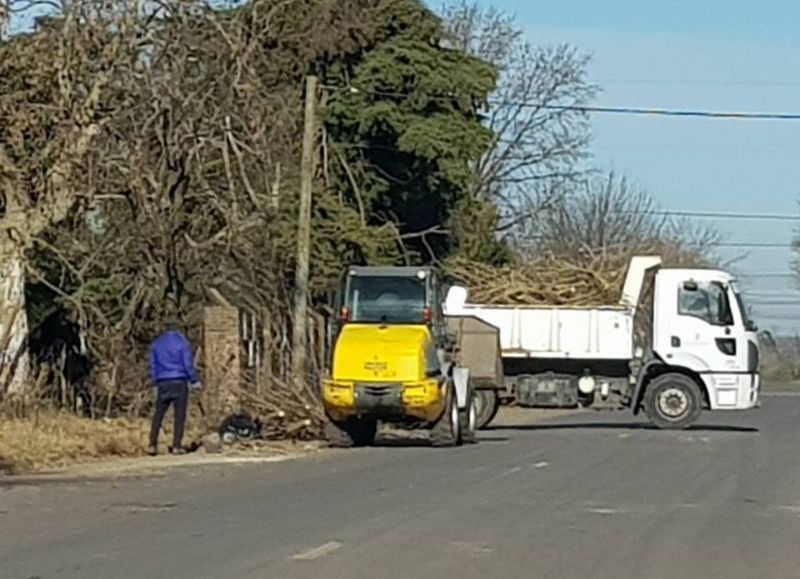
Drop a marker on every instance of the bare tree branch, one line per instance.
(531, 144)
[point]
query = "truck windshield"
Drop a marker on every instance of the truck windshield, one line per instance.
(389, 299)
(748, 323)
(706, 301)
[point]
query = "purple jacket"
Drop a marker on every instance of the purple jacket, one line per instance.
(171, 358)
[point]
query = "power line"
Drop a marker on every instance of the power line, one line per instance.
(725, 215)
(659, 112)
(696, 244)
(750, 245)
(643, 111)
(709, 244)
(697, 82)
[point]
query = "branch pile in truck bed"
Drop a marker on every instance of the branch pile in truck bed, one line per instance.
(545, 281)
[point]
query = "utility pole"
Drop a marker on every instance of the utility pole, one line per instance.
(307, 166)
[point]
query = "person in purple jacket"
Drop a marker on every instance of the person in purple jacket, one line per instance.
(173, 374)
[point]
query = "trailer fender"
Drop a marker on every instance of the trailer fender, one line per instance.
(461, 383)
(638, 392)
(650, 371)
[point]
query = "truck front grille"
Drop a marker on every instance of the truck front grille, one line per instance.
(379, 399)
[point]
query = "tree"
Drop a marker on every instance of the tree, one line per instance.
(192, 183)
(406, 133)
(607, 214)
(539, 133)
(51, 110)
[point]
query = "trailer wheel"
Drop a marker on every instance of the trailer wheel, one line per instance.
(468, 419)
(673, 401)
(351, 433)
(446, 431)
(488, 405)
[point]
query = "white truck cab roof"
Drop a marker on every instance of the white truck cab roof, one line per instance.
(696, 274)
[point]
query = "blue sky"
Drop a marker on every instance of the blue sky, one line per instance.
(706, 54)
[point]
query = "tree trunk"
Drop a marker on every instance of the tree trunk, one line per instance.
(14, 359)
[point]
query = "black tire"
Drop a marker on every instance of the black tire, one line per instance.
(673, 401)
(338, 435)
(351, 433)
(446, 430)
(365, 431)
(468, 420)
(488, 405)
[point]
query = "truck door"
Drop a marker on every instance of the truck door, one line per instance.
(702, 334)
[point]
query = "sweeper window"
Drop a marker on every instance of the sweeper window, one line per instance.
(390, 299)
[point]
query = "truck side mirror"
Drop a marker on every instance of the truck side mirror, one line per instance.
(456, 298)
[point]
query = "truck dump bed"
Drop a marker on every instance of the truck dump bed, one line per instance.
(549, 332)
(559, 332)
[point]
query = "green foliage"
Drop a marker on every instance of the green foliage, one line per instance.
(409, 127)
(340, 237)
(474, 229)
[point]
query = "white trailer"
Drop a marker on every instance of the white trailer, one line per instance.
(688, 345)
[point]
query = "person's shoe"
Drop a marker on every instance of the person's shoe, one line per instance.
(152, 450)
(177, 450)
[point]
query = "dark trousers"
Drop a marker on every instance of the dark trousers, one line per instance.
(175, 392)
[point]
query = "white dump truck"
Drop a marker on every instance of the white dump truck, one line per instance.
(683, 345)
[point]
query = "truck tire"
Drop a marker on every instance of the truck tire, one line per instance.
(468, 420)
(351, 433)
(446, 431)
(673, 401)
(488, 405)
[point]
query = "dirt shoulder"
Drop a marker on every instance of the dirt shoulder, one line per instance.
(770, 386)
(53, 444)
(57, 447)
(146, 466)
(261, 453)
(510, 416)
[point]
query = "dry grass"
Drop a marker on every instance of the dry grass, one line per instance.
(53, 440)
(36, 437)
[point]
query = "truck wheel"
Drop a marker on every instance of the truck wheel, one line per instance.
(364, 431)
(468, 420)
(338, 434)
(446, 431)
(351, 433)
(488, 405)
(673, 401)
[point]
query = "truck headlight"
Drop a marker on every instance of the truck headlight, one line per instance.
(587, 384)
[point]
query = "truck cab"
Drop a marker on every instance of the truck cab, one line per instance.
(701, 326)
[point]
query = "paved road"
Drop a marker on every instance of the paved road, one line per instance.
(594, 495)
